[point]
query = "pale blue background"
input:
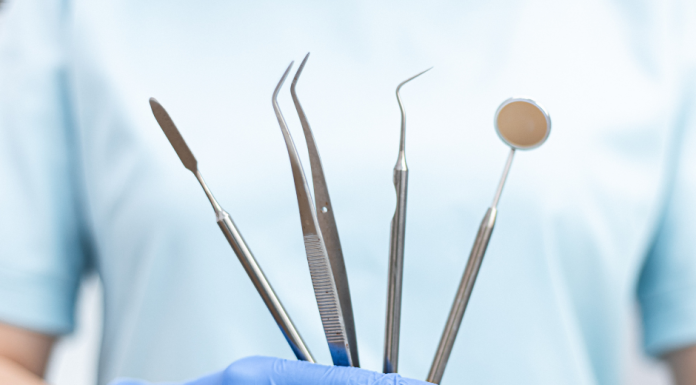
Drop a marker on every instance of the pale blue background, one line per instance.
(89, 179)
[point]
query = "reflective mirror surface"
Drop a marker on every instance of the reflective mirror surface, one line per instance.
(522, 123)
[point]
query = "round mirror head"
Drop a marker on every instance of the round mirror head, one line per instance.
(522, 123)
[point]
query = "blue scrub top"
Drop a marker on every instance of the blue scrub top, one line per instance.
(600, 215)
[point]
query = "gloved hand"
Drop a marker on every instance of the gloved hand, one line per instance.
(275, 371)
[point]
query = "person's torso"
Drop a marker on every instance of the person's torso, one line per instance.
(575, 218)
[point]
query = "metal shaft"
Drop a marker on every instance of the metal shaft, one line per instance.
(264, 288)
(461, 300)
(234, 237)
(396, 247)
(506, 171)
(396, 269)
(258, 278)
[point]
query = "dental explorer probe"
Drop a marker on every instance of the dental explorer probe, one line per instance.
(327, 223)
(234, 237)
(396, 248)
(522, 124)
(320, 271)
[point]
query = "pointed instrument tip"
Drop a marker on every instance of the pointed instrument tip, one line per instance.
(299, 70)
(280, 83)
(426, 71)
(411, 78)
(177, 141)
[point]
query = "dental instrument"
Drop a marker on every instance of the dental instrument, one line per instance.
(396, 248)
(522, 124)
(320, 268)
(234, 237)
(327, 223)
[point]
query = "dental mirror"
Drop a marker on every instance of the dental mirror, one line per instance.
(522, 124)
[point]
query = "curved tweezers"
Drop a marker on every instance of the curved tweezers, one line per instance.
(319, 265)
(327, 223)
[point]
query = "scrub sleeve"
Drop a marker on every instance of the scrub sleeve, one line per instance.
(667, 285)
(42, 247)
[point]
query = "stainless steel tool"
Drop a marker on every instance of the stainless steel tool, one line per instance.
(234, 237)
(522, 124)
(396, 247)
(320, 268)
(327, 223)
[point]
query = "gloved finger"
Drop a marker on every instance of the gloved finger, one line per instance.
(275, 371)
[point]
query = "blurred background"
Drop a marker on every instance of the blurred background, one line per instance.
(75, 360)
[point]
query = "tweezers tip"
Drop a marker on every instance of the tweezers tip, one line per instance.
(282, 80)
(299, 71)
(287, 70)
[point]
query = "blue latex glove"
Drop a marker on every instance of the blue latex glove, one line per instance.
(275, 371)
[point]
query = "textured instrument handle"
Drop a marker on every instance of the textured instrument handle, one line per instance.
(327, 300)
